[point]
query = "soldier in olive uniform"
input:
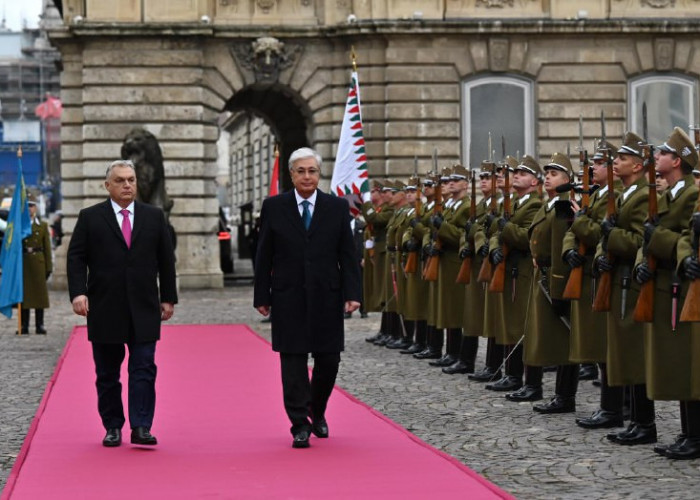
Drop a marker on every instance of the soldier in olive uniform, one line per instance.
(492, 313)
(378, 218)
(451, 227)
(589, 328)
(368, 294)
(37, 267)
(519, 270)
(668, 343)
(547, 332)
(416, 286)
(623, 235)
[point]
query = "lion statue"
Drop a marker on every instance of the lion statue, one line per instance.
(142, 148)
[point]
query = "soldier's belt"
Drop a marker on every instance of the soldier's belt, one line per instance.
(33, 249)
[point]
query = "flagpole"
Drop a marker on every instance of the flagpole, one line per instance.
(19, 304)
(353, 58)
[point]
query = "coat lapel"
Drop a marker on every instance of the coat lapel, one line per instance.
(318, 211)
(292, 211)
(111, 220)
(138, 221)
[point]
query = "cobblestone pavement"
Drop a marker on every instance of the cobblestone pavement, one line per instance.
(528, 455)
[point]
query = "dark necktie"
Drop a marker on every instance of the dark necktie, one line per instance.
(126, 227)
(306, 214)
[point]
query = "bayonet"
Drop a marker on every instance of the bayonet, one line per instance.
(580, 132)
(490, 150)
(503, 148)
(603, 141)
(625, 287)
(645, 131)
(675, 292)
(415, 165)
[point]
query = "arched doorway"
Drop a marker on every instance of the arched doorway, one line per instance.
(286, 114)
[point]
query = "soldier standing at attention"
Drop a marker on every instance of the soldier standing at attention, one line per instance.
(37, 267)
(625, 234)
(668, 343)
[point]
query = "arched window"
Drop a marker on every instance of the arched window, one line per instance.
(671, 102)
(502, 105)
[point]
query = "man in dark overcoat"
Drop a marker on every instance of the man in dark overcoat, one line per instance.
(123, 281)
(307, 275)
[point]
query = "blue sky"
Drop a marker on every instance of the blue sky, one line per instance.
(15, 12)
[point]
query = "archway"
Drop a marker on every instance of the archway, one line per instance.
(287, 115)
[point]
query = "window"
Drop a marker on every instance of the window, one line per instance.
(671, 102)
(487, 101)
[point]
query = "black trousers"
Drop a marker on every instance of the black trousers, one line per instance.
(304, 398)
(142, 383)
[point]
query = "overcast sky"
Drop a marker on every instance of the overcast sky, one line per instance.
(15, 12)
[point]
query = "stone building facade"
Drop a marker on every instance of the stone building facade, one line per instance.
(434, 74)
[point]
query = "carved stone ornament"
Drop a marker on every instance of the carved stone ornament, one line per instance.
(490, 4)
(266, 57)
(663, 52)
(266, 5)
(659, 4)
(498, 54)
(306, 3)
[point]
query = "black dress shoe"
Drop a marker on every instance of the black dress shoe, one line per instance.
(301, 439)
(661, 448)
(601, 419)
(428, 353)
(612, 436)
(23, 331)
(142, 435)
(525, 393)
(640, 434)
(458, 367)
(40, 330)
(112, 438)
(373, 337)
(413, 349)
(558, 404)
(364, 315)
(588, 372)
(399, 344)
(383, 340)
(507, 383)
(446, 360)
(688, 449)
(596, 383)
(319, 428)
(486, 374)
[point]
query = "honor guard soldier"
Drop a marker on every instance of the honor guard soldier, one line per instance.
(451, 228)
(623, 235)
(547, 331)
(589, 328)
(492, 316)
(37, 267)
(668, 343)
(512, 245)
(377, 218)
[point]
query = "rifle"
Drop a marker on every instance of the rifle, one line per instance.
(691, 306)
(430, 272)
(601, 302)
(412, 260)
(575, 282)
(486, 271)
(644, 309)
(499, 273)
(464, 276)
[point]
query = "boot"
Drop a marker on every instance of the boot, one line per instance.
(689, 448)
(421, 336)
(662, 448)
(39, 321)
(25, 323)
(494, 357)
(588, 371)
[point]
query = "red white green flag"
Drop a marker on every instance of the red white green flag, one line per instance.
(350, 178)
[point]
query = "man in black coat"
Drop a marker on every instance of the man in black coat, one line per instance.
(113, 278)
(307, 274)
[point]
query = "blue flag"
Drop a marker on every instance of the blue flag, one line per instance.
(18, 228)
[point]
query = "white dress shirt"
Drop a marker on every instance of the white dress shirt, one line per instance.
(311, 199)
(120, 218)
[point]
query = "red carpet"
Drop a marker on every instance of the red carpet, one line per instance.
(223, 433)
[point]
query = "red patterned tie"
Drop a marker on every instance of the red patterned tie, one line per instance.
(126, 227)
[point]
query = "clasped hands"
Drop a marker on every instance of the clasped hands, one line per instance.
(81, 307)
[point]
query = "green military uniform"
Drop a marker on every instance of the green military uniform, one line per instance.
(367, 268)
(474, 293)
(416, 307)
(394, 235)
(37, 265)
(667, 352)
(378, 219)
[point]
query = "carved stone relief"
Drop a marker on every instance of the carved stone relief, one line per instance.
(663, 54)
(266, 5)
(266, 57)
(659, 4)
(498, 54)
(490, 4)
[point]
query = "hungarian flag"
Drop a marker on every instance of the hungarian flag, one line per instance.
(275, 177)
(350, 178)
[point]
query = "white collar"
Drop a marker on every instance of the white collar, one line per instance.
(679, 185)
(524, 198)
(117, 209)
(311, 199)
(551, 202)
(627, 192)
(602, 191)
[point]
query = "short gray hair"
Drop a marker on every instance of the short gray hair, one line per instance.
(119, 163)
(304, 153)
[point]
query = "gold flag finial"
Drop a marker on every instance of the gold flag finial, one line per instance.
(353, 57)
(19, 152)
(277, 150)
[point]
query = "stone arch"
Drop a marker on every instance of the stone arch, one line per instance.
(285, 112)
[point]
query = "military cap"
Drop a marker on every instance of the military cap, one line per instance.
(399, 186)
(31, 198)
(429, 180)
(486, 168)
(602, 147)
(445, 175)
(529, 164)
(459, 173)
(680, 144)
(631, 145)
(511, 163)
(560, 162)
(413, 183)
(389, 186)
(377, 184)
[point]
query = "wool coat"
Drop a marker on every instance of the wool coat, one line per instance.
(36, 265)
